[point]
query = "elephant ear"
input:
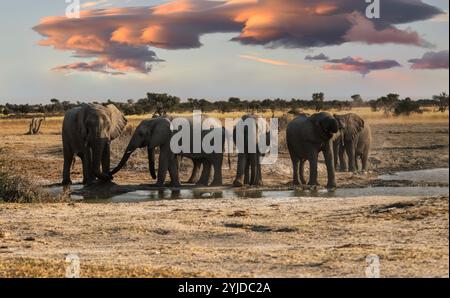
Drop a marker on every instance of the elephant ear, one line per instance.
(355, 125)
(118, 121)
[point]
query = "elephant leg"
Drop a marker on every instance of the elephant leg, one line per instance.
(259, 181)
(351, 157)
(195, 171)
(164, 156)
(173, 171)
(206, 173)
(241, 166)
(106, 160)
(313, 170)
(365, 161)
(295, 170)
(247, 170)
(328, 155)
(88, 176)
(302, 171)
(342, 160)
(217, 163)
(357, 162)
(68, 159)
(253, 169)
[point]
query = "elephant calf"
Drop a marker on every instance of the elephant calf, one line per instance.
(306, 137)
(355, 142)
(87, 132)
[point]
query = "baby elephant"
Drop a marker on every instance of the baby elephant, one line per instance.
(306, 137)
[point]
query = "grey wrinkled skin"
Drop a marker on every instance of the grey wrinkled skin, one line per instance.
(87, 133)
(355, 143)
(206, 162)
(249, 164)
(306, 137)
(154, 133)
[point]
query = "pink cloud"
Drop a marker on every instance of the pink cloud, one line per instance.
(120, 39)
(431, 60)
(357, 64)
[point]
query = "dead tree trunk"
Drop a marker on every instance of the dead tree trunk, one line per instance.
(35, 126)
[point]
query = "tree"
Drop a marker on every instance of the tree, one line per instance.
(407, 107)
(357, 100)
(318, 99)
(441, 101)
(388, 103)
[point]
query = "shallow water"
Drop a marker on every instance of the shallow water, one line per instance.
(432, 175)
(182, 194)
(143, 193)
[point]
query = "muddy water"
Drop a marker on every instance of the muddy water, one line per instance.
(181, 194)
(113, 193)
(432, 175)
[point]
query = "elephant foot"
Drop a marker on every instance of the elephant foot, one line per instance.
(216, 183)
(331, 186)
(66, 182)
(174, 184)
(237, 183)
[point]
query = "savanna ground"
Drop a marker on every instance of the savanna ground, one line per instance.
(289, 237)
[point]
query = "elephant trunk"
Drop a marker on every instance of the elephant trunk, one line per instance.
(151, 161)
(122, 162)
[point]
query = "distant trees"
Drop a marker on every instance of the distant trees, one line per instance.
(441, 101)
(385, 103)
(161, 104)
(407, 107)
(318, 99)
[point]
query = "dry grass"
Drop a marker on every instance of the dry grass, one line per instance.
(29, 268)
(17, 188)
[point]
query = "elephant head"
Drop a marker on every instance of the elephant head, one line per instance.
(150, 133)
(326, 125)
(98, 125)
(350, 125)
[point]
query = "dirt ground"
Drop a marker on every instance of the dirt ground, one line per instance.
(293, 237)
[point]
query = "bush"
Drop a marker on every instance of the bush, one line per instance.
(407, 107)
(18, 189)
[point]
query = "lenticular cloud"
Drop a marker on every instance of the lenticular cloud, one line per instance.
(120, 40)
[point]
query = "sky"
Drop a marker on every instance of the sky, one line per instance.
(252, 49)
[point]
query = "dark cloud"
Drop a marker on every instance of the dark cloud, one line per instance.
(119, 38)
(431, 60)
(360, 65)
(318, 57)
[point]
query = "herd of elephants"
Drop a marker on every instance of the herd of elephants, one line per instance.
(89, 129)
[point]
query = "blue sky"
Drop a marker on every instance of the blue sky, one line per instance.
(217, 70)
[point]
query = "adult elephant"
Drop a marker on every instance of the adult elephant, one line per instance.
(206, 164)
(306, 137)
(156, 132)
(87, 132)
(246, 136)
(357, 142)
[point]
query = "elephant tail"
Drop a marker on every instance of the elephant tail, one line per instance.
(229, 160)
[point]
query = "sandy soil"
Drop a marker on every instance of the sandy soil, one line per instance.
(296, 237)
(231, 237)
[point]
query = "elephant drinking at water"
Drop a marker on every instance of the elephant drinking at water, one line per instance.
(87, 132)
(156, 132)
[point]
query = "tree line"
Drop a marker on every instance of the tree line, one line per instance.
(161, 104)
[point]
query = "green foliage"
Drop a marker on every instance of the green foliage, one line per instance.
(407, 107)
